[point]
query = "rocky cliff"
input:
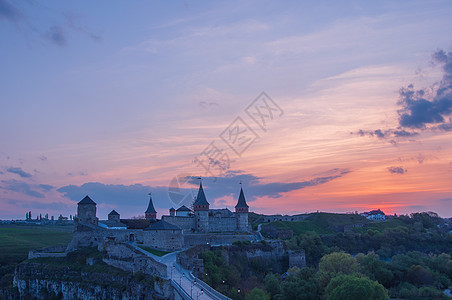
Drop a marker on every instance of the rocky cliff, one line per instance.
(83, 277)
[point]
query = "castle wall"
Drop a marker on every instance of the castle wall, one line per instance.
(286, 218)
(219, 224)
(54, 251)
(208, 223)
(127, 258)
(186, 223)
(214, 239)
(94, 238)
(168, 240)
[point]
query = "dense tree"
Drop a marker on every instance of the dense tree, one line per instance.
(353, 287)
(376, 269)
(299, 289)
(311, 243)
(419, 275)
(441, 263)
(272, 284)
(257, 294)
(406, 290)
(334, 264)
(427, 219)
(408, 255)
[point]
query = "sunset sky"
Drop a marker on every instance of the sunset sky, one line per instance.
(115, 100)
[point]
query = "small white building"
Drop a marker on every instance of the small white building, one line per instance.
(375, 215)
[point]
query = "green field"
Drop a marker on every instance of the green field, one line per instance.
(17, 240)
(330, 219)
(381, 226)
(321, 223)
(301, 227)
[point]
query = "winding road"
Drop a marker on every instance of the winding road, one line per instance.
(192, 287)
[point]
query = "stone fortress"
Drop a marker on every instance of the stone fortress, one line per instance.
(205, 219)
(182, 228)
(126, 244)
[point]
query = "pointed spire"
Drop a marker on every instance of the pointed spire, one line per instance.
(151, 209)
(201, 198)
(242, 202)
(150, 213)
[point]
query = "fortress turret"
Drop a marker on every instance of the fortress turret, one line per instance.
(201, 208)
(241, 212)
(150, 213)
(172, 212)
(86, 211)
(114, 216)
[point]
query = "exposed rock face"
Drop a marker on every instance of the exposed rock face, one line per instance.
(46, 281)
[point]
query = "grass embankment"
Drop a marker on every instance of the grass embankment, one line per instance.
(380, 226)
(17, 240)
(322, 223)
(154, 251)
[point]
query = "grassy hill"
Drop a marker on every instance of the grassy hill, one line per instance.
(322, 223)
(381, 226)
(17, 240)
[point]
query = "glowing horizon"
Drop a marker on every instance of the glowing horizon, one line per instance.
(118, 109)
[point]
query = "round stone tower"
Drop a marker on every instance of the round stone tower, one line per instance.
(201, 208)
(86, 211)
(241, 213)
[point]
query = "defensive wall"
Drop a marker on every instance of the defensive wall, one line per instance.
(127, 258)
(214, 238)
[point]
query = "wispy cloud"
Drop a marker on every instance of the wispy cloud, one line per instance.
(56, 35)
(128, 200)
(389, 133)
(397, 170)
(205, 104)
(418, 111)
(45, 187)
(228, 184)
(8, 11)
(115, 194)
(21, 187)
(72, 21)
(420, 158)
(55, 206)
(136, 195)
(19, 172)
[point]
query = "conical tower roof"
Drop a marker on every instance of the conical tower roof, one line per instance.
(151, 209)
(87, 200)
(201, 198)
(242, 202)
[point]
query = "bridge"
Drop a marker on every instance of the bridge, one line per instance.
(185, 284)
